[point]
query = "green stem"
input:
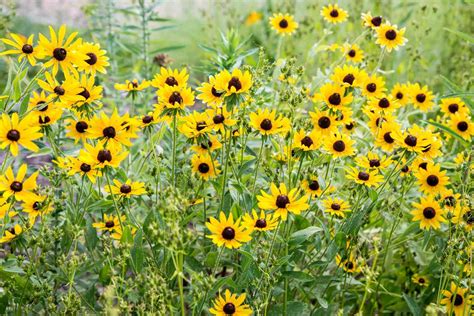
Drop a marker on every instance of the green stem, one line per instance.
(226, 163)
(173, 165)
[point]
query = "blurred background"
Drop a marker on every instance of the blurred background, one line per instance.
(142, 35)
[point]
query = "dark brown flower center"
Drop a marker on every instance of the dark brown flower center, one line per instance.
(405, 169)
(44, 120)
(314, 185)
(350, 126)
(374, 163)
(92, 60)
(36, 206)
(334, 13)
(109, 224)
(399, 95)
(458, 300)
(462, 126)
(411, 140)
(335, 99)
(206, 146)
(13, 135)
(200, 126)
(85, 167)
(147, 119)
(349, 265)
(421, 97)
(109, 132)
(171, 81)
(104, 155)
(125, 189)
(421, 281)
(216, 93)
(282, 201)
(468, 217)
(384, 103)
(59, 54)
(261, 223)
(376, 20)
(387, 137)
(364, 176)
(234, 82)
(352, 53)
(423, 165)
(228, 233)
(349, 78)
(429, 212)
(450, 201)
(307, 141)
(85, 93)
(229, 309)
(371, 87)
(432, 180)
(81, 126)
(266, 124)
(335, 206)
(203, 167)
(283, 24)
(175, 97)
(16, 186)
(339, 146)
(453, 108)
(324, 122)
(27, 49)
(391, 35)
(218, 119)
(59, 90)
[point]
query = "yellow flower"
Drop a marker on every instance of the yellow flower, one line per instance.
(205, 166)
(370, 21)
(209, 94)
(457, 300)
(62, 52)
(463, 125)
(78, 165)
(175, 97)
(230, 304)
(17, 186)
(451, 106)
(37, 206)
(348, 76)
(281, 201)
(373, 86)
(283, 24)
(102, 156)
(390, 37)
(432, 180)
(370, 178)
(307, 141)
(333, 95)
(324, 122)
(429, 213)
(111, 224)
(171, 78)
(11, 233)
(414, 139)
(132, 86)
(385, 136)
(373, 161)
(339, 145)
(221, 118)
(90, 92)
(336, 206)
(226, 232)
(69, 92)
(195, 124)
(14, 132)
(253, 17)
(349, 264)
(401, 92)
(110, 129)
(96, 60)
(23, 47)
(207, 145)
(383, 103)
(267, 123)
(78, 129)
(332, 13)
(421, 97)
(259, 222)
(236, 82)
(420, 280)
(126, 189)
(353, 53)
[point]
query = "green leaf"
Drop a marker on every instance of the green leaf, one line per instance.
(462, 35)
(448, 130)
(137, 253)
(90, 236)
(302, 235)
(412, 305)
(298, 275)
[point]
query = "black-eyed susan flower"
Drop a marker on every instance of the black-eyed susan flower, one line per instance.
(253, 17)
(390, 37)
(353, 53)
(332, 13)
(235, 82)
(383, 103)
(432, 180)
(112, 225)
(79, 166)
(457, 300)
(463, 216)
(23, 47)
(195, 124)
(207, 145)
(369, 178)
(462, 124)
(314, 188)
(336, 207)
(204, 166)
(227, 232)
(62, 52)
(344, 115)
(37, 206)
(132, 85)
(373, 86)
(259, 222)
(372, 160)
(149, 119)
(78, 129)
(283, 24)
(17, 186)
(230, 304)
(109, 129)
(370, 21)
(90, 92)
(221, 118)
(348, 264)
(421, 97)
(101, 156)
(96, 60)
(43, 107)
(267, 123)
(333, 95)
(209, 94)
(281, 201)
(68, 92)
(126, 189)
(324, 122)
(11, 233)
(449, 199)
(451, 106)
(421, 162)
(15, 132)
(5, 208)
(421, 280)
(377, 119)
(339, 145)
(414, 139)
(428, 213)
(401, 93)
(170, 77)
(349, 76)
(307, 141)
(385, 136)
(175, 97)
(433, 147)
